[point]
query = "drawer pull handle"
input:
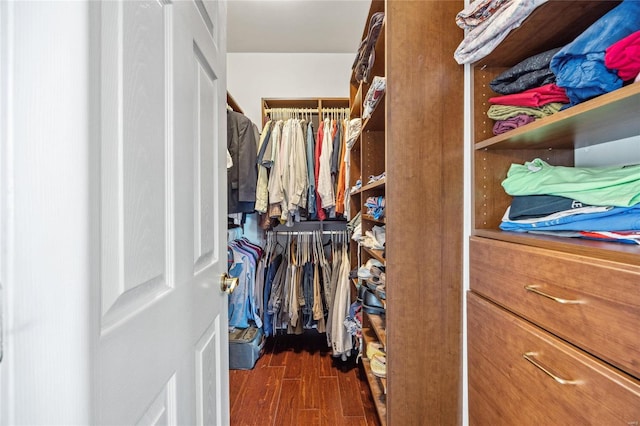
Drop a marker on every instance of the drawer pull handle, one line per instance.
(534, 289)
(529, 356)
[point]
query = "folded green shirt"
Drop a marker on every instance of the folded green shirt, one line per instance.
(598, 186)
(502, 112)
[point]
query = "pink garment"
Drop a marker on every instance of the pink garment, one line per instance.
(624, 56)
(503, 126)
(535, 97)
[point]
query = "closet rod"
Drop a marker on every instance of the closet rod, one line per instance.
(331, 109)
(291, 109)
(306, 232)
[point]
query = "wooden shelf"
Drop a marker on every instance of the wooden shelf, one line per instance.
(556, 24)
(585, 124)
(377, 391)
(378, 326)
(372, 219)
(377, 254)
(378, 184)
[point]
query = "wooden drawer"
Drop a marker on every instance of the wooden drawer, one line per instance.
(597, 305)
(507, 389)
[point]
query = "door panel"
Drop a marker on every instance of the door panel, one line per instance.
(162, 410)
(204, 161)
(112, 158)
(136, 169)
(162, 354)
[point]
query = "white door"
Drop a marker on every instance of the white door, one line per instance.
(113, 212)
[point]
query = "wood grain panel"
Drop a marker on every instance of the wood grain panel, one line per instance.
(605, 322)
(350, 392)
(260, 397)
(506, 389)
(288, 405)
(424, 212)
(336, 388)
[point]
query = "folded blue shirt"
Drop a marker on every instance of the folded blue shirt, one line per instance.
(579, 66)
(616, 219)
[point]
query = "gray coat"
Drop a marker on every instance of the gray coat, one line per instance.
(242, 177)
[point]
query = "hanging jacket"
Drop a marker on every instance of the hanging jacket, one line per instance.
(242, 176)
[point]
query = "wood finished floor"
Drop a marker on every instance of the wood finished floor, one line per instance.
(298, 382)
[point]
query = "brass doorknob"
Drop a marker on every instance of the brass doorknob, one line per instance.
(227, 283)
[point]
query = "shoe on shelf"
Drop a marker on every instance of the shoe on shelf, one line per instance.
(381, 292)
(362, 292)
(373, 349)
(379, 365)
(364, 271)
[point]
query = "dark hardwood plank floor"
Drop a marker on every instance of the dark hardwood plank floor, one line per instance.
(298, 382)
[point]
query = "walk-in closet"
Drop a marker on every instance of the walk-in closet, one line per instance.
(469, 302)
(320, 212)
(381, 151)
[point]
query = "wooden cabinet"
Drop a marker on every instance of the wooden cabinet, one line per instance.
(592, 303)
(572, 303)
(523, 375)
(415, 136)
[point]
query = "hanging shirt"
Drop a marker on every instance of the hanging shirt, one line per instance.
(341, 186)
(325, 187)
(242, 307)
(275, 188)
(269, 279)
(262, 188)
(297, 181)
(311, 193)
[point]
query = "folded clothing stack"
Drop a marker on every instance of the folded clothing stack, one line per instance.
(588, 202)
(366, 56)
(375, 207)
(374, 94)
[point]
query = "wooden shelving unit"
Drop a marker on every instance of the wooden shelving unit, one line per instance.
(504, 314)
(417, 141)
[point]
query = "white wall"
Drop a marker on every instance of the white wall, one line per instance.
(252, 76)
(618, 153)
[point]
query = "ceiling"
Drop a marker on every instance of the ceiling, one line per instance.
(295, 26)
